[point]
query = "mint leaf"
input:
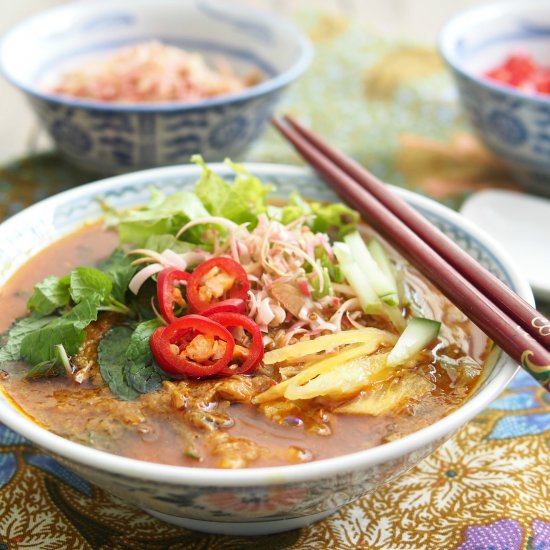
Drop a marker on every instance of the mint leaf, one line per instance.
(11, 351)
(89, 281)
(120, 269)
(111, 356)
(140, 369)
(39, 345)
(50, 294)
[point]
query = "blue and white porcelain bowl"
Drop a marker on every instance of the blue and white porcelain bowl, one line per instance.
(250, 501)
(111, 138)
(515, 125)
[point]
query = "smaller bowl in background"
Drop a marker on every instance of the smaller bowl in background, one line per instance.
(515, 125)
(109, 137)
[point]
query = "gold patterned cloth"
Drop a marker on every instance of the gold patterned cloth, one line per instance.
(393, 107)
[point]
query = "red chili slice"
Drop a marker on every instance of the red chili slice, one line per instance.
(167, 291)
(231, 305)
(256, 348)
(169, 345)
(230, 281)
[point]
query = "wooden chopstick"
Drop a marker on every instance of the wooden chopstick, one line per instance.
(518, 309)
(487, 313)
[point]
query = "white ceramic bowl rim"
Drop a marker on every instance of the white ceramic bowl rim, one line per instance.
(450, 35)
(301, 63)
(269, 475)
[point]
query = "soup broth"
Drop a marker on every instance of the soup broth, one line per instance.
(216, 422)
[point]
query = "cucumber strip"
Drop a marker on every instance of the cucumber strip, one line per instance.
(383, 286)
(418, 334)
(393, 313)
(381, 257)
(352, 272)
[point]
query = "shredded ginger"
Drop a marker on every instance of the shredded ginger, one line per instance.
(151, 72)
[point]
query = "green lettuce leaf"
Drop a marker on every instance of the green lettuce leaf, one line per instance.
(240, 202)
(335, 219)
(162, 215)
(160, 243)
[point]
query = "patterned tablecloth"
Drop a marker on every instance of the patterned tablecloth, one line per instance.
(393, 107)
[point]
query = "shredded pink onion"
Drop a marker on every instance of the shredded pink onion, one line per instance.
(174, 259)
(142, 275)
(265, 314)
(217, 220)
(194, 257)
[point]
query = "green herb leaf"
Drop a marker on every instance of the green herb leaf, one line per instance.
(111, 356)
(335, 219)
(160, 243)
(240, 202)
(46, 369)
(88, 281)
(140, 369)
(11, 351)
(163, 215)
(120, 269)
(50, 294)
(39, 344)
(332, 268)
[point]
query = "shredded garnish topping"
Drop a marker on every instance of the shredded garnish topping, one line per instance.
(152, 72)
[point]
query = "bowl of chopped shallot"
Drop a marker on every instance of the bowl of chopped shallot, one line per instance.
(499, 56)
(121, 86)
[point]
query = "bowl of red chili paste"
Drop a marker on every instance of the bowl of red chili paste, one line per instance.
(499, 55)
(116, 361)
(120, 86)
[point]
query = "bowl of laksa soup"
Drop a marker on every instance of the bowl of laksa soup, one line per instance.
(193, 336)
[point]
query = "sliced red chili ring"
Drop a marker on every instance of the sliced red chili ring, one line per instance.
(168, 345)
(231, 305)
(167, 289)
(256, 348)
(201, 297)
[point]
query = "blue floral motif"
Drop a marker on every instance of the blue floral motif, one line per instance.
(9, 437)
(523, 380)
(508, 127)
(520, 425)
(8, 467)
(48, 464)
(515, 402)
(228, 132)
(71, 136)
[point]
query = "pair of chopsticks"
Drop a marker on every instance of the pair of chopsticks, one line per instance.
(517, 328)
